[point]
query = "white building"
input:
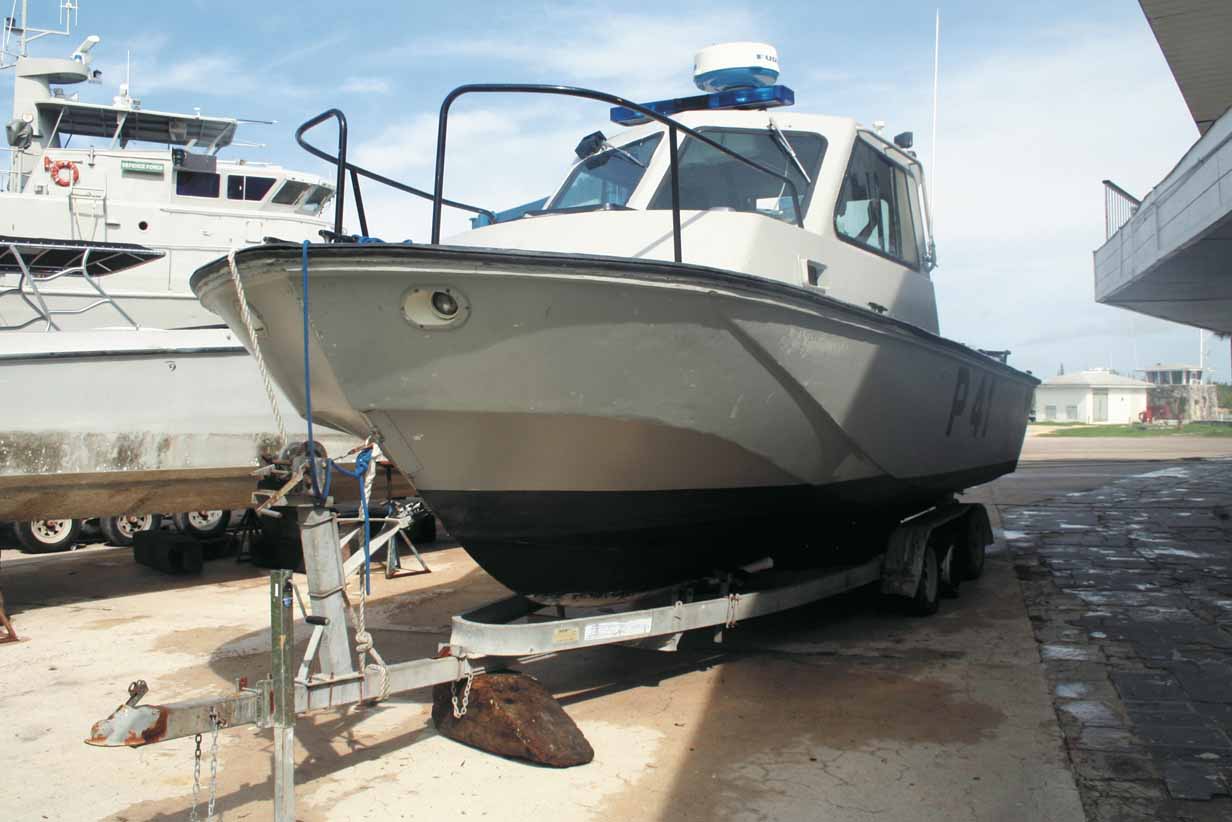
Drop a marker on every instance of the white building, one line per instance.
(1095, 395)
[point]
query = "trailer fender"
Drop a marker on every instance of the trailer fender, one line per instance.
(904, 555)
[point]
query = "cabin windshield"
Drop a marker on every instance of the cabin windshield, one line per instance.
(606, 179)
(710, 179)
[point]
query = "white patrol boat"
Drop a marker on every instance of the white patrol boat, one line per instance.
(716, 340)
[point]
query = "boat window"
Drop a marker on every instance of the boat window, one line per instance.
(248, 188)
(196, 183)
(606, 178)
(315, 199)
(711, 179)
(290, 192)
(878, 206)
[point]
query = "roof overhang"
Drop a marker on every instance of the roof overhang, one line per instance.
(1194, 36)
(94, 120)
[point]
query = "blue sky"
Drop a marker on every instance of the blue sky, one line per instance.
(1039, 102)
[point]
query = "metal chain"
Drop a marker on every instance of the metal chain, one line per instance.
(246, 316)
(217, 723)
(459, 711)
(196, 787)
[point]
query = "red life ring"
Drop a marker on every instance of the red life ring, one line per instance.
(58, 166)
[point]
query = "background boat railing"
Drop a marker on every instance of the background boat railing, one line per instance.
(439, 201)
(1119, 208)
(27, 289)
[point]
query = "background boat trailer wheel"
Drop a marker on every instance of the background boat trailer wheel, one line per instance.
(44, 536)
(120, 530)
(202, 523)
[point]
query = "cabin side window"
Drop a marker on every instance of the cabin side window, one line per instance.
(290, 192)
(196, 183)
(710, 179)
(240, 187)
(315, 200)
(878, 206)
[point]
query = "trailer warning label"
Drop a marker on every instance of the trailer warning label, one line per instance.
(617, 629)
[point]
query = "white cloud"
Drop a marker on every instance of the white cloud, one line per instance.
(366, 85)
(634, 55)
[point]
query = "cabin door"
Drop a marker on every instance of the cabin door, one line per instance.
(1099, 410)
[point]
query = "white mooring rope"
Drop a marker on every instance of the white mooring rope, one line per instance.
(246, 316)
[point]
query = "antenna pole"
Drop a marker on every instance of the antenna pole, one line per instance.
(932, 161)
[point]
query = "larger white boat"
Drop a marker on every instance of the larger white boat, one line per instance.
(716, 340)
(139, 400)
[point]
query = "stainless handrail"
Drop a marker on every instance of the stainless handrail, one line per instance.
(1119, 208)
(43, 312)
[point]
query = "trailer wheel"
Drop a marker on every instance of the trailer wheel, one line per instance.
(202, 524)
(927, 597)
(45, 536)
(120, 530)
(970, 552)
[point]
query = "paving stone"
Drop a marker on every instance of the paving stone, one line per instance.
(1189, 780)
(1129, 592)
(1145, 685)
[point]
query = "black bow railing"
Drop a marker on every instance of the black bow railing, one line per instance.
(439, 201)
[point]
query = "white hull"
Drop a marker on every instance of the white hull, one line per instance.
(112, 422)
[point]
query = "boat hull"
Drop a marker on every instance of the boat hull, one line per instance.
(592, 426)
(103, 423)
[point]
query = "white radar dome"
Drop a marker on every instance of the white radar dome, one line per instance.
(735, 65)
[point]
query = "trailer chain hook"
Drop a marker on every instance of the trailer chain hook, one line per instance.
(459, 711)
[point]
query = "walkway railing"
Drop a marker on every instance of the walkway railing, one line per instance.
(1119, 208)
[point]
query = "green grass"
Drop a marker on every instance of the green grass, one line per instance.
(1195, 429)
(1051, 423)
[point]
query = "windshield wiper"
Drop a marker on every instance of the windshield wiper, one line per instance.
(626, 155)
(789, 151)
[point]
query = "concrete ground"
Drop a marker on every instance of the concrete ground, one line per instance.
(842, 710)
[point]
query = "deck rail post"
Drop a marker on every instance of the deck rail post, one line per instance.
(282, 643)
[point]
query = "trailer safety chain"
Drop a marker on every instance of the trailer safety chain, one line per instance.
(246, 316)
(459, 711)
(216, 724)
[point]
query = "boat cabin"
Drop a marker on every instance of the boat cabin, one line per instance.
(816, 201)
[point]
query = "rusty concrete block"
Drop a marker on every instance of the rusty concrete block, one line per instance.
(512, 714)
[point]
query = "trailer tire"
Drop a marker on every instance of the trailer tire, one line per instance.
(971, 551)
(46, 536)
(120, 530)
(202, 524)
(927, 597)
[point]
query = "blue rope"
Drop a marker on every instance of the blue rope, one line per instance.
(312, 444)
(362, 460)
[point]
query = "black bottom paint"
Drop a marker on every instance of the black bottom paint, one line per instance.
(550, 544)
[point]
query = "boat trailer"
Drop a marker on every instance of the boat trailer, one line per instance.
(945, 543)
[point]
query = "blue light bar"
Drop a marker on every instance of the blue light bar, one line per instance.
(763, 97)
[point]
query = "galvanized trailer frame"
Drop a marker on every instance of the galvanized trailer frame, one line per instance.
(503, 630)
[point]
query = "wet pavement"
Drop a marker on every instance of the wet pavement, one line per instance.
(1129, 590)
